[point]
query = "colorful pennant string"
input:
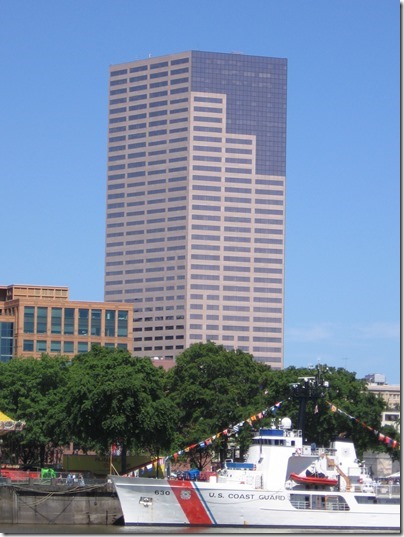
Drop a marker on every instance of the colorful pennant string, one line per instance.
(381, 437)
(226, 432)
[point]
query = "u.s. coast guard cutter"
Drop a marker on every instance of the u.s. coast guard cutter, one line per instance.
(281, 484)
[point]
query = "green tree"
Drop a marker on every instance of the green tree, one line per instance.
(214, 388)
(113, 397)
(345, 392)
(29, 391)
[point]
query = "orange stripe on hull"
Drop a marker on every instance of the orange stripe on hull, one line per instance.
(190, 502)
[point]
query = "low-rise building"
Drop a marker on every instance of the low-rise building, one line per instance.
(390, 393)
(41, 319)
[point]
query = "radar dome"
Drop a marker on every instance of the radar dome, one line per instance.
(286, 423)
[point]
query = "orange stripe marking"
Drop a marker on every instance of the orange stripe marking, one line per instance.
(190, 502)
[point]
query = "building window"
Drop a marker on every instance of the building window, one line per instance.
(41, 346)
(41, 320)
(56, 346)
(122, 324)
(29, 312)
(68, 347)
(69, 321)
(28, 345)
(56, 321)
(96, 322)
(110, 323)
(82, 347)
(83, 323)
(6, 341)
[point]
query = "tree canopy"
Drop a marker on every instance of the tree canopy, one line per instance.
(345, 391)
(212, 388)
(29, 391)
(111, 397)
(107, 396)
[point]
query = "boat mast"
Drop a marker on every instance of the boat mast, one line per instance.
(308, 389)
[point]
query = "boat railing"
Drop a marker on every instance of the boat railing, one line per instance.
(300, 504)
(326, 506)
(387, 490)
(330, 452)
(337, 507)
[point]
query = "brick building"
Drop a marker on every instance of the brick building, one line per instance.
(41, 319)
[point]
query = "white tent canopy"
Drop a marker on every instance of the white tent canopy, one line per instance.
(394, 476)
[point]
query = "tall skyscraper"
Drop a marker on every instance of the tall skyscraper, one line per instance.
(196, 201)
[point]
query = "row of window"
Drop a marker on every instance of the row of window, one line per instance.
(141, 261)
(157, 328)
(159, 348)
(79, 321)
(160, 248)
(212, 307)
(142, 154)
(140, 271)
(150, 143)
(202, 237)
(200, 227)
(158, 65)
(195, 197)
(148, 103)
(200, 182)
(152, 85)
(194, 207)
(146, 113)
(152, 94)
(160, 269)
(211, 277)
(198, 216)
(161, 132)
(137, 121)
(219, 337)
(195, 138)
(150, 124)
(161, 278)
(65, 347)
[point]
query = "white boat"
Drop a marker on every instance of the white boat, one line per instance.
(260, 492)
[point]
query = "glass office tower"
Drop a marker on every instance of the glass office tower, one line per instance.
(196, 201)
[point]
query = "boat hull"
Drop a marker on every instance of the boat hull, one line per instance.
(146, 501)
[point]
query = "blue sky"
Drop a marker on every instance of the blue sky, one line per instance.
(342, 301)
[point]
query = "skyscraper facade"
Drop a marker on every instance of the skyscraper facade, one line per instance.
(196, 201)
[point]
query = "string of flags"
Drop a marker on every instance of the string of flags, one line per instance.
(381, 437)
(226, 432)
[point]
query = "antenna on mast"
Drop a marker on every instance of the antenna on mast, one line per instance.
(309, 388)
